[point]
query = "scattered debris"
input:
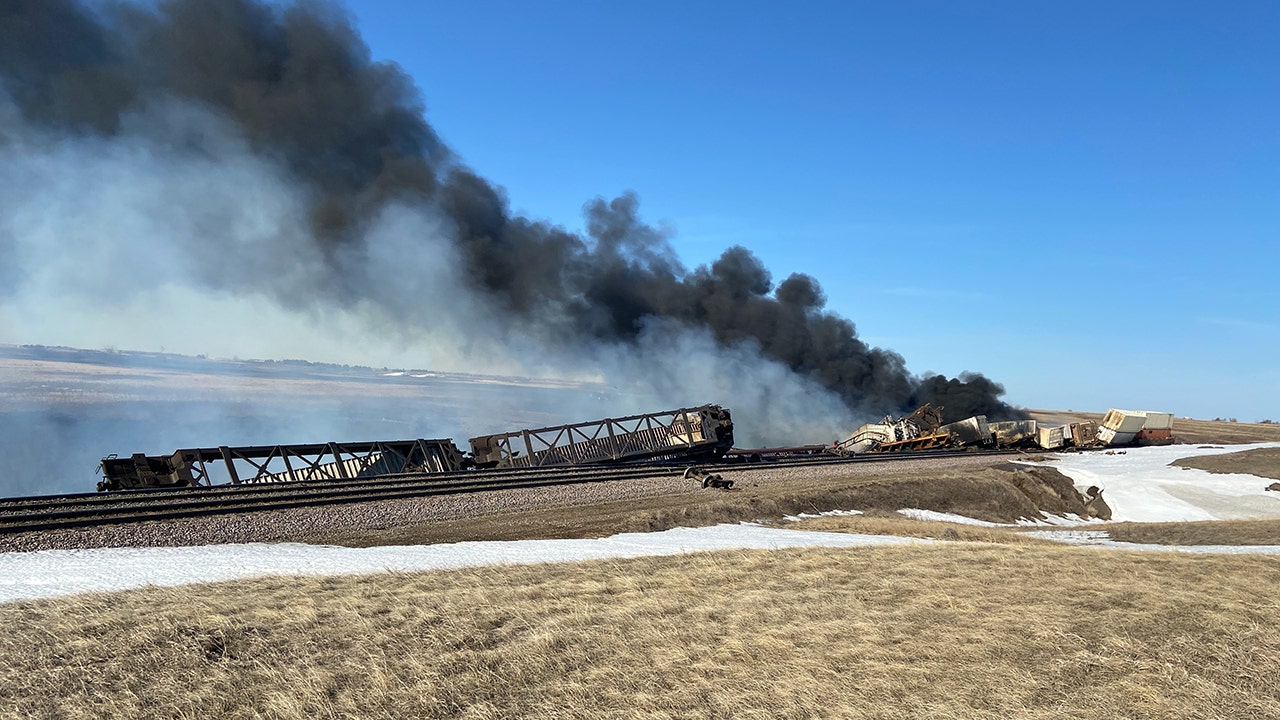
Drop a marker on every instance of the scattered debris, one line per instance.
(708, 480)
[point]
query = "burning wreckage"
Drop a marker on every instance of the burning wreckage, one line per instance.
(699, 434)
(923, 430)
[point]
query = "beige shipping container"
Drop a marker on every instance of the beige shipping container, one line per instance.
(1052, 437)
(1158, 421)
(1124, 421)
(1084, 433)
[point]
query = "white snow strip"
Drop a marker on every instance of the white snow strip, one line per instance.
(1140, 485)
(50, 573)
(828, 513)
(917, 514)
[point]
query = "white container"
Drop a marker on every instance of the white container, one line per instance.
(1124, 421)
(1110, 437)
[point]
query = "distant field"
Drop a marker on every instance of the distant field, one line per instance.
(963, 632)
(1263, 462)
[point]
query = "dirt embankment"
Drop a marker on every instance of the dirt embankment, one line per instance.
(996, 492)
(1186, 431)
(1263, 462)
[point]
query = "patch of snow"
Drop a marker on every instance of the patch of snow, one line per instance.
(828, 513)
(1141, 486)
(49, 573)
(917, 514)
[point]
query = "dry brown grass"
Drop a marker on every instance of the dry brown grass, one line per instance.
(1187, 431)
(1263, 462)
(961, 632)
(1217, 532)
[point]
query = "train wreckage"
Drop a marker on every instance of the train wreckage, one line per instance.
(924, 430)
(685, 435)
(694, 434)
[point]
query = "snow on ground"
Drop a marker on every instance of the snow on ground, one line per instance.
(49, 573)
(1141, 486)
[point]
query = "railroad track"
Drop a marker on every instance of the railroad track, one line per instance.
(52, 512)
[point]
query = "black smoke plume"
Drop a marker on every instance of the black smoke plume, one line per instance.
(299, 85)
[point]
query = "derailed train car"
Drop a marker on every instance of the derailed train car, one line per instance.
(193, 467)
(922, 430)
(704, 432)
(699, 433)
(916, 432)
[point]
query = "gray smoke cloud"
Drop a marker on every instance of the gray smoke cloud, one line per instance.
(248, 164)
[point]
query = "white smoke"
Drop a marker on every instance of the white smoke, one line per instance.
(174, 235)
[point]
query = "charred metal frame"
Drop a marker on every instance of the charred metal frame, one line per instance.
(283, 463)
(687, 432)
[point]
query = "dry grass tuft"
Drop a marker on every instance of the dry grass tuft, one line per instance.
(963, 632)
(1216, 532)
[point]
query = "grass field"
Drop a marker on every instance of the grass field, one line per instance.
(1263, 462)
(953, 631)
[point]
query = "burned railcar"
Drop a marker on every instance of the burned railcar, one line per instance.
(688, 433)
(699, 433)
(194, 467)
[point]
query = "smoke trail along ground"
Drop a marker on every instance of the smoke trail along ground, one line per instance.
(249, 90)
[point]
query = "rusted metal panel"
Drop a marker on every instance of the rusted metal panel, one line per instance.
(687, 432)
(1162, 436)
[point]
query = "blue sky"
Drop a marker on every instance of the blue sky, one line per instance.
(1078, 199)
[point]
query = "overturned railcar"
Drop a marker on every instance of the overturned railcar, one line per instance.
(688, 433)
(195, 467)
(1013, 433)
